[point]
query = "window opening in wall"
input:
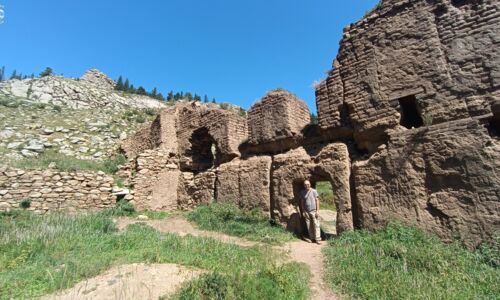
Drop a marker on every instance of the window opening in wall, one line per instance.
(493, 126)
(203, 150)
(410, 117)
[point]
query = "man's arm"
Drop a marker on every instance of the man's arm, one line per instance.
(317, 204)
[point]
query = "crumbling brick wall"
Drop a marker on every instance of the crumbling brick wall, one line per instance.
(276, 118)
(442, 178)
(440, 52)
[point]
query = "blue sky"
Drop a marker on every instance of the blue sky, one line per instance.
(232, 50)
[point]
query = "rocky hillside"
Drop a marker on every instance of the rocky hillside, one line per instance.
(94, 89)
(30, 128)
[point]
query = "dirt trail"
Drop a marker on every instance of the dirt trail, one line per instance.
(298, 250)
(149, 281)
(130, 282)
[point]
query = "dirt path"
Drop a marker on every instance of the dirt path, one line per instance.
(180, 226)
(150, 281)
(298, 250)
(130, 282)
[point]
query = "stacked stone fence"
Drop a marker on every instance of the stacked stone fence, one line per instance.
(53, 190)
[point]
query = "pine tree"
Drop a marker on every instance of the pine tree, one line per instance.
(2, 73)
(196, 97)
(205, 99)
(213, 100)
(32, 75)
(154, 93)
(47, 72)
(14, 75)
(126, 86)
(189, 96)
(170, 96)
(119, 84)
(160, 97)
(131, 89)
(141, 91)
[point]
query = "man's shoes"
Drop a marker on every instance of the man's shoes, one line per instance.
(317, 242)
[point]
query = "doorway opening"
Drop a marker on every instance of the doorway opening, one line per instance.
(410, 116)
(204, 152)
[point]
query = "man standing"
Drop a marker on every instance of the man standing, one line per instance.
(309, 208)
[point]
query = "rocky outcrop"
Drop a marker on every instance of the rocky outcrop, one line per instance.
(93, 90)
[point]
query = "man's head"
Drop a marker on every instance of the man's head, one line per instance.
(307, 185)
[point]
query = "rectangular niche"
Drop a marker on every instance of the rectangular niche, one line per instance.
(410, 115)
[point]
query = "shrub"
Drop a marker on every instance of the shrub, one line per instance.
(427, 119)
(123, 208)
(25, 203)
(57, 108)
(140, 119)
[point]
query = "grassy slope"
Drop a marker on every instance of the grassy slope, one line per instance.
(231, 220)
(42, 254)
(405, 263)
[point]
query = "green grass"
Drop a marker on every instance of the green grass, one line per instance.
(405, 263)
(231, 220)
(326, 195)
(68, 163)
(43, 254)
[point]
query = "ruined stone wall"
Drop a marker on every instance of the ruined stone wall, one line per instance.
(52, 190)
(443, 178)
(156, 181)
(278, 116)
(321, 163)
(440, 52)
(246, 183)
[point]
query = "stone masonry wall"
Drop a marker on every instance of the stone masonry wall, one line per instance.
(52, 190)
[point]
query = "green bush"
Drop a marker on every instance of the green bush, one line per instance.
(228, 218)
(140, 119)
(403, 262)
(123, 208)
(25, 203)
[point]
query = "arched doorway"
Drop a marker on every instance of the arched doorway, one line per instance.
(204, 151)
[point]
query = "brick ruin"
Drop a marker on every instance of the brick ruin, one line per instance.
(408, 129)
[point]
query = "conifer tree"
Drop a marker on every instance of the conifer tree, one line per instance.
(213, 100)
(154, 93)
(2, 73)
(47, 72)
(205, 99)
(14, 75)
(170, 96)
(126, 85)
(119, 84)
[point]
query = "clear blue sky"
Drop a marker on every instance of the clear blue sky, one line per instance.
(232, 50)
